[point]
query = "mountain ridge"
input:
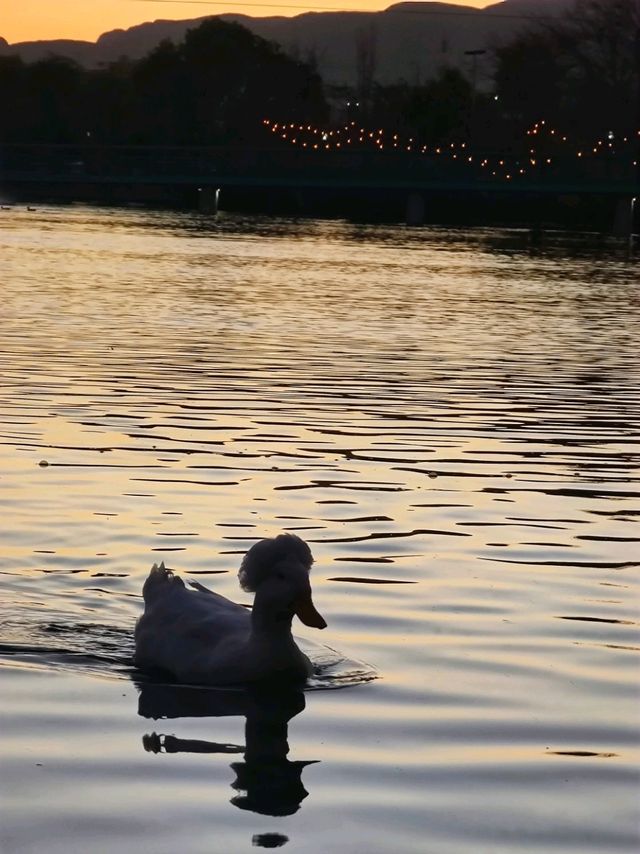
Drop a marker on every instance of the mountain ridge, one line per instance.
(408, 40)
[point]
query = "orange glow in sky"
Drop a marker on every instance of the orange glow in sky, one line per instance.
(30, 20)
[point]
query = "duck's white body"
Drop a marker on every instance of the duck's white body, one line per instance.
(201, 637)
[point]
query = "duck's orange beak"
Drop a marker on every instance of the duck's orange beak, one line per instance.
(306, 611)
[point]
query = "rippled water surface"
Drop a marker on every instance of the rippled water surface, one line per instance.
(449, 420)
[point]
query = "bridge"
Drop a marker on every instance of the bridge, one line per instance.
(197, 175)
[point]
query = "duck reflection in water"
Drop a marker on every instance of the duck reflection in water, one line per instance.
(267, 782)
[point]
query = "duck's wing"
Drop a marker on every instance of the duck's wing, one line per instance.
(221, 601)
(197, 586)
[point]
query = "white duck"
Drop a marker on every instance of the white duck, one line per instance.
(201, 637)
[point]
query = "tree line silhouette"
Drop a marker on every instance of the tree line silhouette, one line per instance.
(213, 88)
(580, 71)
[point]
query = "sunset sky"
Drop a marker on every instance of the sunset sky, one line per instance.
(26, 20)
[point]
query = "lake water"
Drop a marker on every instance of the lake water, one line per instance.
(448, 419)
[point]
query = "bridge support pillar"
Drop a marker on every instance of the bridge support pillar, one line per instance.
(208, 198)
(414, 211)
(623, 218)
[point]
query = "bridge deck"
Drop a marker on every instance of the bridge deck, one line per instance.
(274, 168)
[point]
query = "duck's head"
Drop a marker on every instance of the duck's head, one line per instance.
(277, 570)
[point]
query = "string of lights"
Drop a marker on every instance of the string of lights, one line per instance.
(609, 144)
(354, 136)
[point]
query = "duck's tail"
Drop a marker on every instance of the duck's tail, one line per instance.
(157, 582)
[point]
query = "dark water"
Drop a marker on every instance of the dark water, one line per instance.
(449, 420)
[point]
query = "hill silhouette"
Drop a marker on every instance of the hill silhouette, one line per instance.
(409, 41)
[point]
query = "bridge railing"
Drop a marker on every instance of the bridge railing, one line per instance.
(214, 165)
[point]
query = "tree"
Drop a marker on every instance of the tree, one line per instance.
(434, 112)
(53, 109)
(13, 78)
(214, 88)
(161, 103)
(582, 70)
(108, 105)
(529, 78)
(219, 85)
(602, 40)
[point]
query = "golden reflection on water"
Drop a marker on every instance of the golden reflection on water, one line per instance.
(421, 406)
